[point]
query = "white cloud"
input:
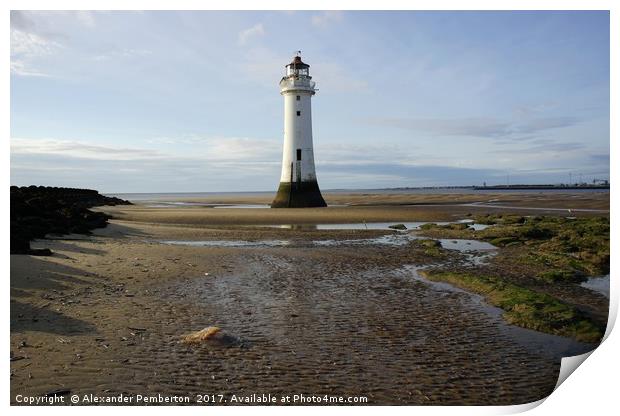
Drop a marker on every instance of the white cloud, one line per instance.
(30, 44)
(326, 17)
(122, 53)
(195, 161)
(35, 36)
(19, 67)
(225, 149)
(26, 49)
(243, 148)
(212, 149)
(79, 150)
(247, 34)
(27, 46)
(481, 127)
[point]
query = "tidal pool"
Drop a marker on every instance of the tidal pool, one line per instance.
(241, 206)
(542, 343)
(228, 243)
(598, 284)
(466, 245)
(353, 226)
(374, 225)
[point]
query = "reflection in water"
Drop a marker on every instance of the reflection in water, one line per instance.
(179, 204)
(372, 225)
(479, 227)
(355, 226)
(598, 284)
(465, 245)
(241, 206)
(297, 227)
(395, 239)
(228, 243)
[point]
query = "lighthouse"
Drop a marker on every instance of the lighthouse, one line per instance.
(298, 185)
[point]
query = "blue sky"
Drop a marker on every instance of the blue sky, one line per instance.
(188, 101)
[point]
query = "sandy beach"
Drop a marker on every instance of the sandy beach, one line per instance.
(304, 309)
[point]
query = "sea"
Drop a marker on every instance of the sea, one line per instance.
(162, 196)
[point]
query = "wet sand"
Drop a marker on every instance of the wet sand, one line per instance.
(105, 313)
(346, 208)
(568, 199)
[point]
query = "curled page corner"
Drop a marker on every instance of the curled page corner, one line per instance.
(570, 364)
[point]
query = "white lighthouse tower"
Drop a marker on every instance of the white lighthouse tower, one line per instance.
(298, 185)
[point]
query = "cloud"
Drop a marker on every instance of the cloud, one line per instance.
(37, 19)
(326, 17)
(479, 127)
(601, 159)
(244, 149)
(252, 32)
(337, 151)
(122, 53)
(240, 150)
(217, 164)
(20, 20)
(79, 150)
(21, 68)
(199, 163)
(27, 46)
(34, 37)
(545, 146)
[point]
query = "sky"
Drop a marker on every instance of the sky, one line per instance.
(166, 101)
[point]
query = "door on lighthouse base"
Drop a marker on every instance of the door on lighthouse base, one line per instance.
(298, 169)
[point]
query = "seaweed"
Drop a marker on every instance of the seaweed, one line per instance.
(525, 307)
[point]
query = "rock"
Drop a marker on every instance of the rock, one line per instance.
(39, 210)
(201, 336)
(398, 227)
(212, 335)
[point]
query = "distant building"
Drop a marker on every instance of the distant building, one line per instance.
(298, 185)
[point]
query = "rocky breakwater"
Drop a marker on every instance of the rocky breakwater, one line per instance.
(37, 211)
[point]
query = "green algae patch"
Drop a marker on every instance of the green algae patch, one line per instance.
(559, 249)
(431, 248)
(525, 307)
(559, 276)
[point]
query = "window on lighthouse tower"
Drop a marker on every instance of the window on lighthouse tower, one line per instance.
(299, 113)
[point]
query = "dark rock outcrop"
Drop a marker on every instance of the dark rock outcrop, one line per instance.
(40, 210)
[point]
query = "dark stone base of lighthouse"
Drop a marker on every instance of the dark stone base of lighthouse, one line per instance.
(298, 195)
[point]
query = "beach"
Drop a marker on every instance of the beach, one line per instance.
(305, 307)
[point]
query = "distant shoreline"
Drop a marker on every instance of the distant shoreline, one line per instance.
(419, 190)
(561, 187)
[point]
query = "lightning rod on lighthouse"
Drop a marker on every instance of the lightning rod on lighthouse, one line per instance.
(298, 185)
